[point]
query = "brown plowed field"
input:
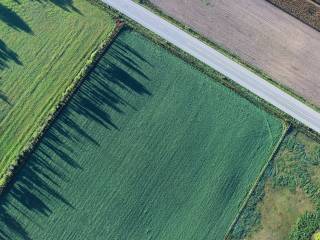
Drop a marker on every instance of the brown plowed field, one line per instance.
(260, 34)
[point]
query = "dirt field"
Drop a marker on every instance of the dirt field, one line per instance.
(260, 34)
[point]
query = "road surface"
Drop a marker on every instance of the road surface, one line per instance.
(219, 62)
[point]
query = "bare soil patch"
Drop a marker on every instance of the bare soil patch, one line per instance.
(260, 34)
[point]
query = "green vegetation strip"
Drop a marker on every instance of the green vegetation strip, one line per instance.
(43, 50)
(147, 148)
(228, 53)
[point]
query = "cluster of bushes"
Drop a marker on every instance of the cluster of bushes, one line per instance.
(307, 11)
(290, 169)
(294, 172)
(307, 225)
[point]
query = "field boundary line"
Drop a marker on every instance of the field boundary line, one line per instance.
(13, 168)
(286, 127)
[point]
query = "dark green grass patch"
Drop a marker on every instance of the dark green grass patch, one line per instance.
(43, 46)
(148, 148)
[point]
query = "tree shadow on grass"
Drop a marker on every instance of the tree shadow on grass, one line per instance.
(14, 21)
(7, 55)
(37, 184)
(4, 98)
(66, 5)
(10, 18)
(112, 72)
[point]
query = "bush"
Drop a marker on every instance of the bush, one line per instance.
(306, 226)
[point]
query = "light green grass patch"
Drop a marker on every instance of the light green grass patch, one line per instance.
(316, 236)
(43, 46)
(280, 210)
(148, 148)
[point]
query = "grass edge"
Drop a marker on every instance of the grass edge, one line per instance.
(286, 127)
(226, 52)
(12, 168)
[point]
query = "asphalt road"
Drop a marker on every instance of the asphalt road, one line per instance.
(219, 62)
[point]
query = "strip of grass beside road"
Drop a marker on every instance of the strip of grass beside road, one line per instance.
(210, 72)
(226, 52)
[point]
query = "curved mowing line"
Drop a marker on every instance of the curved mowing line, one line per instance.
(274, 153)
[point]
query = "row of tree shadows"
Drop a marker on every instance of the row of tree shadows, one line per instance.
(13, 20)
(42, 174)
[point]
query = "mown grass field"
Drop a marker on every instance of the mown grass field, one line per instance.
(43, 46)
(148, 148)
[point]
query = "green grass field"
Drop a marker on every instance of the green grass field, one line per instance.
(43, 46)
(148, 148)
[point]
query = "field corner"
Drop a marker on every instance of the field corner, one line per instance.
(286, 128)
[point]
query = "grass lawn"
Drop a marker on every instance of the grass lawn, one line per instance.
(43, 46)
(148, 148)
